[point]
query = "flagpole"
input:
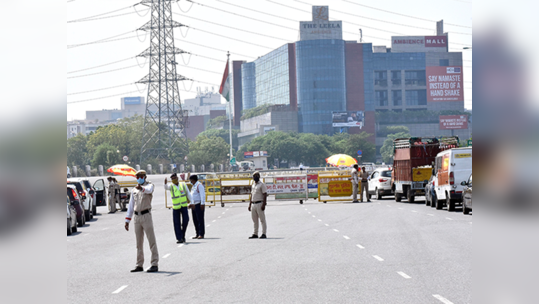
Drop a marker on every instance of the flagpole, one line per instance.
(230, 117)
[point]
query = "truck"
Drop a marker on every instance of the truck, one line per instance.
(452, 167)
(412, 164)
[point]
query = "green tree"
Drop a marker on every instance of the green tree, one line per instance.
(77, 153)
(208, 150)
(224, 134)
(105, 155)
(387, 149)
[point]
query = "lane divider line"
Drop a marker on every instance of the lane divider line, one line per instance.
(218, 217)
(117, 291)
(319, 220)
(166, 256)
(314, 215)
(448, 218)
(360, 247)
(214, 221)
(181, 245)
(345, 237)
(442, 299)
(335, 230)
(378, 258)
(326, 225)
(208, 225)
(404, 275)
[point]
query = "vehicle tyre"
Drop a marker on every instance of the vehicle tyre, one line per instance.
(398, 197)
(450, 203)
(439, 204)
(94, 210)
(432, 201)
(410, 196)
(222, 205)
(325, 202)
(301, 202)
(69, 228)
(75, 229)
(87, 215)
(464, 209)
(80, 222)
(378, 194)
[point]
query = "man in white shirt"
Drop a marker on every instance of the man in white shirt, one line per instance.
(355, 183)
(141, 205)
(257, 205)
(198, 193)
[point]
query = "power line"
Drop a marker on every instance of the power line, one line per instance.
(95, 67)
(114, 11)
(235, 39)
(215, 49)
(103, 89)
(399, 14)
(102, 40)
(86, 100)
(109, 71)
(100, 18)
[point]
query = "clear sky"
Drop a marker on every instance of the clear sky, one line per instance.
(246, 28)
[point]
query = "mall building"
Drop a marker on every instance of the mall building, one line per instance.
(322, 76)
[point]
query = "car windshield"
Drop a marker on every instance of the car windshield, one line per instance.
(77, 185)
(87, 184)
(386, 173)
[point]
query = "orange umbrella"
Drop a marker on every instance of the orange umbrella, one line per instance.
(123, 170)
(341, 160)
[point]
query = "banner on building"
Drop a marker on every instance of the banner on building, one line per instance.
(348, 119)
(453, 122)
(286, 188)
(401, 44)
(445, 84)
(255, 154)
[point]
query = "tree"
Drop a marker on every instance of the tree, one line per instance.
(105, 155)
(387, 149)
(77, 153)
(208, 150)
(361, 142)
(224, 134)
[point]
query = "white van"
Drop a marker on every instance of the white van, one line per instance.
(452, 167)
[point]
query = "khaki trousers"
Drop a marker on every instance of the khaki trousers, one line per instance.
(365, 190)
(144, 224)
(113, 199)
(354, 194)
(256, 214)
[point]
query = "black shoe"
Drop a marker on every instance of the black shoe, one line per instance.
(263, 236)
(254, 236)
(183, 240)
(153, 269)
(178, 242)
(194, 237)
(368, 201)
(137, 269)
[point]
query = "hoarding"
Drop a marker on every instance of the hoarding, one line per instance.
(296, 187)
(132, 100)
(320, 27)
(418, 44)
(453, 122)
(348, 119)
(340, 188)
(445, 84)
(255, 154)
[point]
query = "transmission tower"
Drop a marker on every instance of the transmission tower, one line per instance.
(164, 122)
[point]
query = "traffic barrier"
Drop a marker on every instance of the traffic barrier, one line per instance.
(336, 185)
(235, 187)
(288, 187)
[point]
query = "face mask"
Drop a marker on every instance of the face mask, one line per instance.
(141, 181)
(256, 178)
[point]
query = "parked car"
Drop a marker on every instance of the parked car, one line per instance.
(85, 199)
(71, 218)
(380, 183)
(68, 173)
(467, 196)
(97, 193)
(88, 195)
(452, 165)
(74, 199)
(430, 194)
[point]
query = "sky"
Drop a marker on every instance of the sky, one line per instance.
(246, 28)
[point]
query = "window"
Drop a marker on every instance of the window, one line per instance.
(375, 175)
(386, 173)
(444, 62)
(381, 98)
(417, 78)
(416, 97)
(380, 78)
(397, 98)
(396, 78)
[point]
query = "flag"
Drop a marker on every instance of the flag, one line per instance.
(224, 90)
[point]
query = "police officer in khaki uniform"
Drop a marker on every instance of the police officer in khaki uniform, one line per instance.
(114, 194)
(257, 205)
(364, 184)
(355, 183)
(141, 205)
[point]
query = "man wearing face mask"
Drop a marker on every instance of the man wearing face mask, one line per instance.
(141, 205)
(180, 200)
(257, 205)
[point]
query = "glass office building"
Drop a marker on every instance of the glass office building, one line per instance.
(248, 82)
(321, 83)
(272, 78)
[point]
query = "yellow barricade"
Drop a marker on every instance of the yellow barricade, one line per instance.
(336, 185)
(289, 187)
(235, 190)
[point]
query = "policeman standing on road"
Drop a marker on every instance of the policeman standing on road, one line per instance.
(355, 183)
(364, 184)
(114, 194)
(197, 205)
(180, 213)
(257, 205)
(141, 204)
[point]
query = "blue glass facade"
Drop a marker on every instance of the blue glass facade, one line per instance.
(248, 82)
(368, 74)
(272, 78)
(321, 83)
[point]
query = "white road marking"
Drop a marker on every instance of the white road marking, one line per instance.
(430, 214)
(345, 237)
(401, 208)
(388, 206)
(166, 256)
(309, 213)
(180, 246)
(120, 289)
(335, 230)
(378, 258)
(218, 217)
(319, 220)
(360, 247)
(314, 215)
(208, 225)
(404, 275)
(414, 211)
(326, 225)
(223, 213)
(86, 234)
(442, 299)
(214, 221)
(448, 218)
(227, 209)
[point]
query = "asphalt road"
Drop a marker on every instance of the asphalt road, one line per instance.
(379, 252)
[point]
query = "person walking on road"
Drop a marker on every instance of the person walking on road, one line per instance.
(257, 205)
(197, 205)
(355, 183)
(364, 184)
(141, 205)
(180, 202)
(114, 194)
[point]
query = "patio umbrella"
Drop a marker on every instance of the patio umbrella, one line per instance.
(122, 170)
(341, 160)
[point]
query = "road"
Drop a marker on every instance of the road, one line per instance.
(379, 252)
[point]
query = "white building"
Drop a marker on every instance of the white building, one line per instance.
(203, 103)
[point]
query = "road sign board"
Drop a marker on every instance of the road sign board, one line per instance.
(233, 161)
(359, 152)
(125, 158)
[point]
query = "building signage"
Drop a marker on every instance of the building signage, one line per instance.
(445, 84)
(320, 27)
(285, 188)
(453, 122)
(419, 44)
(348, 119)
(268, 129)
(340, 188)
(132, 100)
(255, 154)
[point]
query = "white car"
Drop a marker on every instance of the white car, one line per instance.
(380, 183)
(86, 195)
(452, 167)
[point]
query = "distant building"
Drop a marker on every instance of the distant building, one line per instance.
(278, 118)
(203, 103)
(130, 106)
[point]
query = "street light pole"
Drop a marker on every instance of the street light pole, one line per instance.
(230, 115)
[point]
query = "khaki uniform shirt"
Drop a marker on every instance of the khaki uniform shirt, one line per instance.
(257, 192)
(355, 180)
(140, 200)
(364, 176)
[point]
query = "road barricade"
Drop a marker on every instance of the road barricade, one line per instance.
(335, 186)
(235, 187)
(287, 187)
